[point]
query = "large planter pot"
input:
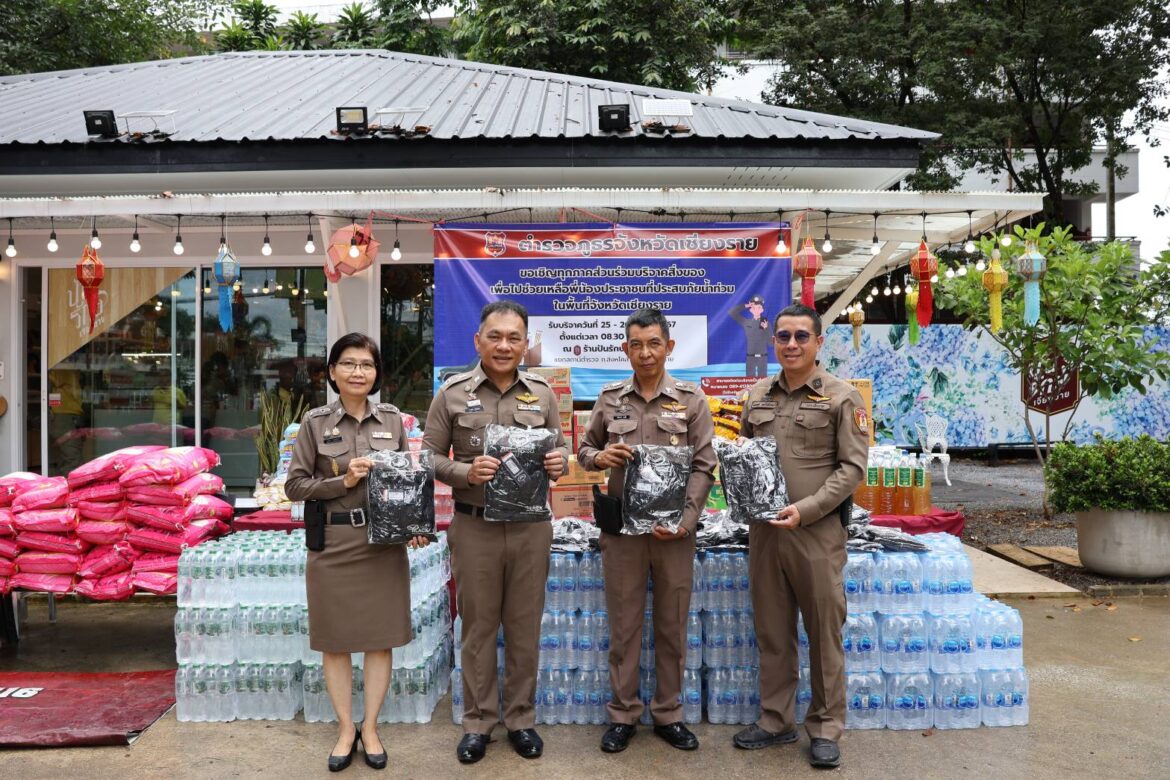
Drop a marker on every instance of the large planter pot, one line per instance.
(1124, 543)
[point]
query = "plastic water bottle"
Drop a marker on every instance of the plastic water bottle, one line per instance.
(909, 701)
(552, 599)
(712, 583)
(602, 618)
(585, 568)
(598, 696)
(727, 584)
(748, 626)
(858, 578)
(1005, 697)
(905, 643)
(567, 629)
(956, 701)
(183, 694)
(865, 700)
(580, 701)
(736, 642)
(862, 644)
(586, 637)
(718, 643)
(718, 682)
(694, 659)
(550, 641)
(562, 694)
(999, 637)
(692, 696)
(900, 575)
(743, 596)
(803, 693)
(569, 583)
(698, 587)
(802, 647)
(952, 644)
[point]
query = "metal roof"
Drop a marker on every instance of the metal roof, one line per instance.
(292, 95)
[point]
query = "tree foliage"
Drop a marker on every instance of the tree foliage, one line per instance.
(356, 27)
(408, 26)
(1096, 304)
(663, 44)
(1020, 89)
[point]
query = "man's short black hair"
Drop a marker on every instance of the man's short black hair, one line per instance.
(501, 306)
(799, 310)
(358, 341)
(645, 318)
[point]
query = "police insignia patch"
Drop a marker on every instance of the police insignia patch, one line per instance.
(861, 419)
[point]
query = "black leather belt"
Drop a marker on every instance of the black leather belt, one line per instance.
(354, 517)
(468, 509)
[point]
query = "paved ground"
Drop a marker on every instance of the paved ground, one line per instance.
(1098, 708)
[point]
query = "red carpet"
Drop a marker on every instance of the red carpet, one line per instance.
(66, 709)
(939, 520)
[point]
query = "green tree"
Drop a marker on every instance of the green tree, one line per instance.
(45, 35)
(405, 29)
(257, 17)
(1096, 305)
(664, 44)
(356, 27)
(1021, 89)
(303, 31)
(233, 36)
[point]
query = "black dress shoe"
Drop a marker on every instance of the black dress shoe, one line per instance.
(754, 738)
(471, 748)
(526, 742)
(374, 760)
(617, 737)
(337, 763)
(678, 736)
(824, 754)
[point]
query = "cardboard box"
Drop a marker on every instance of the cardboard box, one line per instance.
(567, 426)
(556, 376)
(577, 475)
(571, 501)
(580, 425)
(564, 399)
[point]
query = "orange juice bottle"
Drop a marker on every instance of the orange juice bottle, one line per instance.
(904, 500)
(921, 487)
(889, 478)
(872, 484)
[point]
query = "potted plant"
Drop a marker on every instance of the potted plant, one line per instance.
(1120, 493)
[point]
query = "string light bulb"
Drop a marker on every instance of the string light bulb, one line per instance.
(969, 245)
(979, 264)
(52, 245)
(827, 245)
(95, 241)
(135, 244)
(396, 252)
(265, 289)
(963, 269)
(310, 247)
(950, 274)
(875, 247)
(10, 250)
(353, 247)
(178, 247)
(266, 247)
(1006, 240)
(781, 245)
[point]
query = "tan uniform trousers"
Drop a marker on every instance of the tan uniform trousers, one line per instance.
(790, 569)
(626, 560)
(500, 572)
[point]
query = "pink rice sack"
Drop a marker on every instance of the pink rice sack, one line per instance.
(176, 495)
(104, 561)
(169, 467)
(5, 586)
(12, 485)
(50, 521)
(173, 518)
(50, 496)
(7, 528)
(43, 583)
(154, 540)
(9, 548)
(45, 542)
(156, 562)
(160, 582)
(7, 567)
(48, 563)
(99, 532)
(99, 491)
(107, 511)
(116, 587)
(110, 466)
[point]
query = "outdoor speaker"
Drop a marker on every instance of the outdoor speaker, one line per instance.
(615, 117)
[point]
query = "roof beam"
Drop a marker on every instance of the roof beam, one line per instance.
(872, 268)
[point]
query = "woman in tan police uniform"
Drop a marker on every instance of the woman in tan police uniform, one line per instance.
(359, 593)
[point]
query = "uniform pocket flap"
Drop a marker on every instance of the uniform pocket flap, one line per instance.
(473, 420)
(672, 424)
(528, 419)
(622, 426)
(812, 421)
(334, 449)
(761, 416)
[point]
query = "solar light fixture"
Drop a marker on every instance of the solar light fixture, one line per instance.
(101, 123)
(614, 118)
(352, 120)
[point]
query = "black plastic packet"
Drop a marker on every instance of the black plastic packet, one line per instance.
(655, 488)
(721, 530)
(401, 489)
(574, 534)
(518, 493)
(752, 480)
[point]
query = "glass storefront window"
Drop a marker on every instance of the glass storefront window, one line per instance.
(132, 380)
(276, 349)
(408, 337)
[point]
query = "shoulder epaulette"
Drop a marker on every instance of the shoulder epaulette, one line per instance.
(613, 385)
(320, 411)
(384, 407)
(689, 387)
(457, 378)
(535, 378)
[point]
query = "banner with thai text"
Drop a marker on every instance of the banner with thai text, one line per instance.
(717, 283)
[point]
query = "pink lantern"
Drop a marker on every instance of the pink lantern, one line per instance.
(353, 248)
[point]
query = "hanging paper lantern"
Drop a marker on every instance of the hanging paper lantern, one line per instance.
(924, 265)
(90, 272)
(857, 319)
(912, 299)
(226, 270)
(339, 260)
(1033, 265)
(808, 263)
(995, 279)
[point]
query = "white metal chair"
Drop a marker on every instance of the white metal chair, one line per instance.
(932, 435)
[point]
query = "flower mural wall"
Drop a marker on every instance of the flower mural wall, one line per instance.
(964, 376)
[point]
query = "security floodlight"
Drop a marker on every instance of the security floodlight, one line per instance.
(352, 120)
(614, 118)
(101, 123)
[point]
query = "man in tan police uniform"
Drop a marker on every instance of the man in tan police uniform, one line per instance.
(822, 433)
(500, 568)
(651, 408)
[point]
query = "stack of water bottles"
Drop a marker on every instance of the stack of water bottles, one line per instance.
(242, 635)
(730, 655)
(923, 649)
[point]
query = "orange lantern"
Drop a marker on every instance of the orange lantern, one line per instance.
(924, 265)
(808, 263)
(90, 272)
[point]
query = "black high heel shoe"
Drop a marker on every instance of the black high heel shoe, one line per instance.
(374, 760)
(338, 763)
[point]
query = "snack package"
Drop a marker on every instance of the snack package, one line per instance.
(104, 492)
(752, 481)
(53, 495)
(401, 489)
(518, 493)
(176, 495)
(108, 467)
(655, 488)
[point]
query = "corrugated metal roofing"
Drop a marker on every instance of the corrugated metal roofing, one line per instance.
(292, 95)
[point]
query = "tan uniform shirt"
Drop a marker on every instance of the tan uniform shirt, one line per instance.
(677, 415)
(462, 410)
(328, 440)
(822, 436)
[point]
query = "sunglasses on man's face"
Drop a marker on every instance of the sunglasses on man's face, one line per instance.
(801, 336)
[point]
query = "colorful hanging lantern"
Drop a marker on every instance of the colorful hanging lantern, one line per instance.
(808, 263)
(226, 270)
(352, 248)
(912, 300)
(857, 319)
(995, 279)
(1033, 265)
(924, 266)
(90, 272)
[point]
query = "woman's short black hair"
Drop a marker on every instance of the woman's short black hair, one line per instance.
(359, 341)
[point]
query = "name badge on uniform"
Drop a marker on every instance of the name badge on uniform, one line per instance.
(474, 405)
(381, 435)
(625, 416)
(674, 415)
(815, 406)
(528, 407)
(763, 404)
(332, 436)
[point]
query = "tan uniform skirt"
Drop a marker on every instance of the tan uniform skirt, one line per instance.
(359, 593)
